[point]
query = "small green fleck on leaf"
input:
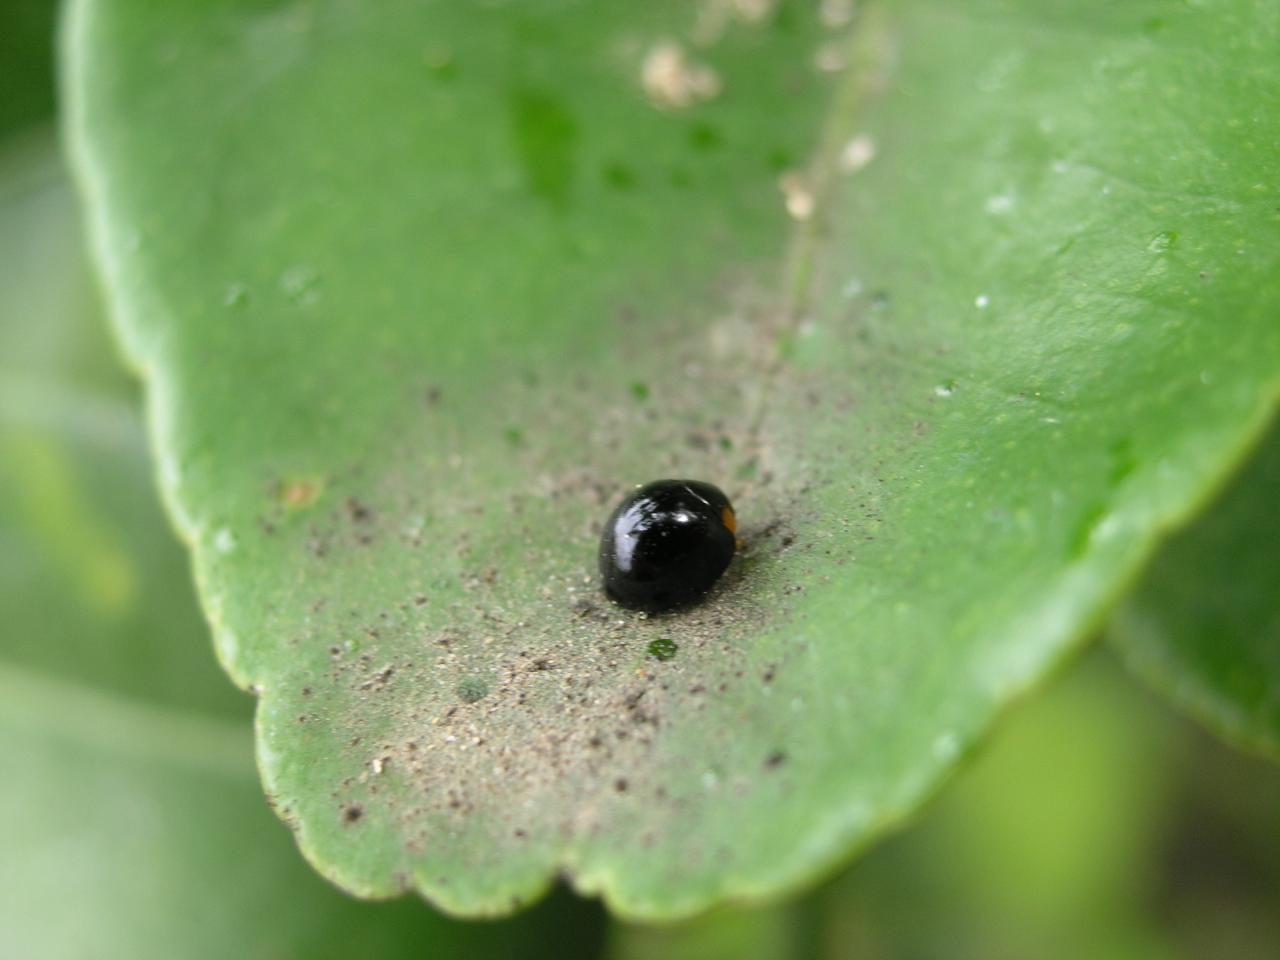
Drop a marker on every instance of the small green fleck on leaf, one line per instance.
(472, 689)
(663, 648)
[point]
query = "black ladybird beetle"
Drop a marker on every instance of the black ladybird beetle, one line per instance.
(666, 543)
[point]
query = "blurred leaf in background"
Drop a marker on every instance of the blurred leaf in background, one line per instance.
(26, 59)
(1096, 825)
(1204, 626)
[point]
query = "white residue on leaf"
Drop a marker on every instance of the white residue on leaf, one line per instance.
(836, 13)
(228, 644)
(830, 58)
(224, 541)
(674, 81)
(1105, 529)
(857, 153)
(981, 301)
(946, 746)
(714, 17)
(753, 11)
(797, 195)
(235, 296)
(999, 204)
(300, 284)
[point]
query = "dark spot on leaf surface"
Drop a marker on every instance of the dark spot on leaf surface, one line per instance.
(545, 136)
(664, 648)
(705, 137)
(472, 689)
(619, 176)
(779, 159)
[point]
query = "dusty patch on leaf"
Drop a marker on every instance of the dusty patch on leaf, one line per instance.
(487, 681)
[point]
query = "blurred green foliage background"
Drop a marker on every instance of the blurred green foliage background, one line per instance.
(1096, 824)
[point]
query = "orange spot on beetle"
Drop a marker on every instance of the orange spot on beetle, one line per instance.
(729, 520)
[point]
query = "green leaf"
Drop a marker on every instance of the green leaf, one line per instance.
(775, 932)
(1204, 624)
(82, 537)
(1053, 843)
(419, 291)
(132, 822)
(26, 50)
